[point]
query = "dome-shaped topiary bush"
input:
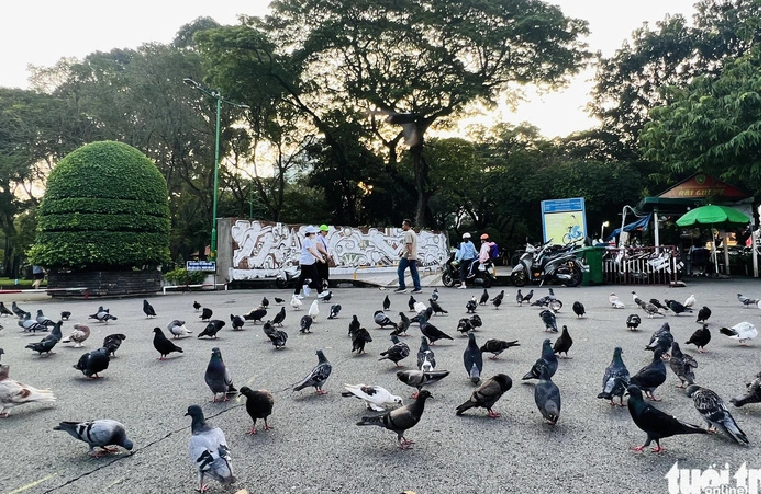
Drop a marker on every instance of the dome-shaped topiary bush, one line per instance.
(105, 208)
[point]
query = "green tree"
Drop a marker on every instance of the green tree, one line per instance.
(105, 208)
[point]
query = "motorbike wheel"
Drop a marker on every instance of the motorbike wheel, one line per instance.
(446, 278)
(519, 278)
(575, 275)
(486, 281)
(281, 283)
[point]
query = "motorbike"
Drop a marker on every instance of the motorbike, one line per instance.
(482, 275)
(543, 264)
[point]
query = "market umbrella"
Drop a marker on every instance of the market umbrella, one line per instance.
(721, 217)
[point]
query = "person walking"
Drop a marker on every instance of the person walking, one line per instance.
(408, 257)
(323, 268)
(466, 253)
(309, 256)
(38, 274)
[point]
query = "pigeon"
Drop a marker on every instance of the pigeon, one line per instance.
(402, 326)
(471, 305)
(196, 305)
(655, 423)
(177, 328)
(48, 342)
(700, 338)
(5, 311)
(279, 300)
(423, 316)
(334, 310)
(419, 307)
(208, 450)
(375, 397)
(259, 405)
(211, 329)
(435, 294)
(354, 324)
(314, 310)
(616, 378)
(464, 326)
(632, 322)
(548, 359)
(401, 419)
(752, 395)
(280, 317)
(296, 302)
(651, 309)
(103, 315)
(1, 353)
(497, 301)
(162, 344)
(14, 393)
(265, 303)
(704, 314)
(65, 315)
(433, 333)
(496, 347)
(550, 321)
(682, 365)
(113, 342)
(487, 394)
(40, 318)
(676, 307)
(94, 362)
(747, 302)
(661, 340)
(148, 309)
(715, 413)
(475, 321)
(306, 324)
(206, 314)
(237, 322)
(386, 303)
(637, 301)
(651, 376)
(547, 396)
(359, 339)
(473, 359)
(79, 335)
(742, 332)
(325, 296)
(436, 307)
(425, 356)
(31, 325)
(419, 378)
(484, 297)
(256, 315)
(218, 377)
(382, 320)
(690, 301)
(411, 303)
(519, 298)
(277, 337)
(578, 309)
(396, 352)
(316, 379)
(20, 312)
(98, 434)
(527, 298)
(563, 343)
(615, 302)
(658, 304)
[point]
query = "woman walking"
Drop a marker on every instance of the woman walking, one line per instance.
(309, 256)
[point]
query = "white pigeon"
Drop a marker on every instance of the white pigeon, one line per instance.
(419, 307)
(296, 302)
(426, 365)
(615, 301)
(690, 301)
(14, 393)
(178, 329)
(314, 310)
(375, 396)
(742, 332)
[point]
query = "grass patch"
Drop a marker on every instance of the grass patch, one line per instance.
(8, 284)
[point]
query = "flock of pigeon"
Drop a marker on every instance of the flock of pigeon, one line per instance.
(208, 449)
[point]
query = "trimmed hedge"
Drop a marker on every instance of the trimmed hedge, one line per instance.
(105, 207)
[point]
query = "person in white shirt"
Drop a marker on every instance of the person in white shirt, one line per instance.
(309, 256)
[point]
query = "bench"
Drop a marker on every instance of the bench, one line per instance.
(188, 287)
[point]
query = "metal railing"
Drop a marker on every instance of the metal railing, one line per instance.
(642, 265)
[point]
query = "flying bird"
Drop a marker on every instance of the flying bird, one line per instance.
(208, 450)
(487, 394)
(715, 413)
(98, 434)
(259, 405)
(401, 419)
(316, 379)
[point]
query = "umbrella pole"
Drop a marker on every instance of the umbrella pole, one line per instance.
(726, 254)
(713, 251)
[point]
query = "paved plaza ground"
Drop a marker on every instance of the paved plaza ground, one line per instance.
(315, 446)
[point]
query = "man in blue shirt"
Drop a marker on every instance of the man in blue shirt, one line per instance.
(466, 254)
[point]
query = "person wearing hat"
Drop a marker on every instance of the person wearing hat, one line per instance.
(323, 268)
(466, 254)
(484, 254)
(309, 256)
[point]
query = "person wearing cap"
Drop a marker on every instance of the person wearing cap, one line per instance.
(484, 255)
(466, 253)
(309, 256)
(321, 243)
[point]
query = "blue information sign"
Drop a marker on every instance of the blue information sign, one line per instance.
(203, 266)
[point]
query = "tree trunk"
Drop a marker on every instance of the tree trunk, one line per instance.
(420, 168)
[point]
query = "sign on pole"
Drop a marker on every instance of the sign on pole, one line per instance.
(564, 220)
(203, 266)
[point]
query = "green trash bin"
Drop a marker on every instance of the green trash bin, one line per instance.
(592, 270)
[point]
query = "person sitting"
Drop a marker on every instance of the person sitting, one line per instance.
(466, 253)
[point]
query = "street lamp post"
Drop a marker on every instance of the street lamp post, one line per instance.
(217, 95)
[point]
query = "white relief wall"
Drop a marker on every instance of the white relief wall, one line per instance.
(261, 248)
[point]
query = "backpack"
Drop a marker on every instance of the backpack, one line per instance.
(493, 250)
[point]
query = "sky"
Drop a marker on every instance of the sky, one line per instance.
(39, 32)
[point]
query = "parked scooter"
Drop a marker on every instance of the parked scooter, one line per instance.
(480, 274)
(547, 265)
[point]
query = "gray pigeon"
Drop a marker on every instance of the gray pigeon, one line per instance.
(218, 376)
(237, 322)
(317, 377)
(682, 365)
(651, 376)
(715, 413)
(396, 352)
(496, 347)
(382, 320)
(548, 359)
(547, 396)
(98, 434)
(616, 378)
(661, 340)
(48, 342)
(487, 394)
(550, 321)
(208, 450)
(473, 359)
(419, 378)
(401, 419)
(752, 395)
(177, 328)
(306, 323)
